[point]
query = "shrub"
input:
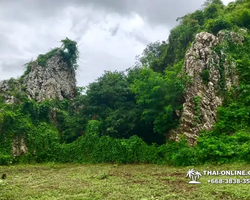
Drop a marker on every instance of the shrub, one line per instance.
(205, 76)
(216, 25)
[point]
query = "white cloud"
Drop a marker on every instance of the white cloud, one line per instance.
(226, 2)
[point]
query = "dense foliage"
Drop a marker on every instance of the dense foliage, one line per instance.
(125, 117)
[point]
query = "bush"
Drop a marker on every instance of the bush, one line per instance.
(243, 19)
(205, 76)
(216, 25)
(44, 146)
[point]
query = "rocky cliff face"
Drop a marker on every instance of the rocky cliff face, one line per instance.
(203, 95)
(56, 79)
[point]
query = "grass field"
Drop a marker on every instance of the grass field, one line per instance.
(108, 181)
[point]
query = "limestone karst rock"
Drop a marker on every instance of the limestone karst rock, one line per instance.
(19, 147)
(202, 99)
(55, 80)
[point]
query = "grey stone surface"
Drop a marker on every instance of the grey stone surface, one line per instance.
(198, 58)
(54, 80)
(19, 146)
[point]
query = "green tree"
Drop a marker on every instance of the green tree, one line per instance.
(160, 95)
(152, 54)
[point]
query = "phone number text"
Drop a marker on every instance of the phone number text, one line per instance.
(229, 181)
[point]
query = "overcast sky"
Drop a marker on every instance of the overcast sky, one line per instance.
(110, 33)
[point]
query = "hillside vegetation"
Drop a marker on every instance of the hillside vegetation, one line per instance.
(125, 117)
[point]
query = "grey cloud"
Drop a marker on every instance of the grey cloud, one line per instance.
(82, 21)
(139, 36)
(99, 62)
(14, 66)
(114, 30)
(7, 46)
(78, 38)
(156, 12)
(163, 12)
